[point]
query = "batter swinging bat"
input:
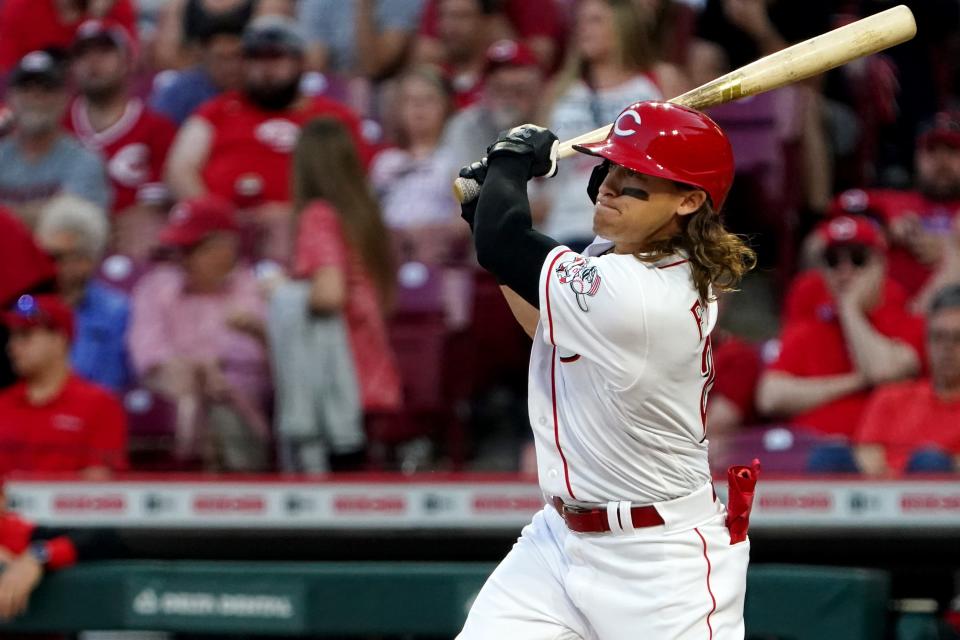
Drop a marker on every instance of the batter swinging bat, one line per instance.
(798, 62)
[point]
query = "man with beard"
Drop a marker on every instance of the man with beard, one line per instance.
(512, 87)
(39, 159)
(132, 139)
(238, 146)
(919, 221)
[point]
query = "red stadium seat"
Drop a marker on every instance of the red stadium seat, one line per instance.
(422, 345)
(122, 272)
(781, 449)
(150, 420)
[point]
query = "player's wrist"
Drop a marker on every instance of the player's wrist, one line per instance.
(509, 166)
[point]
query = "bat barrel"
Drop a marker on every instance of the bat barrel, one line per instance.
(807, 59)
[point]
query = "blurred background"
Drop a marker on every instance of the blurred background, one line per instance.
(254, 382)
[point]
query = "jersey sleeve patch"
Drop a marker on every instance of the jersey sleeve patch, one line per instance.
(581, 276)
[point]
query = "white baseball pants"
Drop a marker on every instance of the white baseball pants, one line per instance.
(682, 580)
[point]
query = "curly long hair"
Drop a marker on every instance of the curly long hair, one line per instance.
(719, 259)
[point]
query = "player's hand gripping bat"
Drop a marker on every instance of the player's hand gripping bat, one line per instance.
(798, 62)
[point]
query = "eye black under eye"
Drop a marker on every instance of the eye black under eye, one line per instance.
(634, 192)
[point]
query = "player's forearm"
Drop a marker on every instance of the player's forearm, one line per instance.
(879, 358)
(506, 244)
(526, 314)
(186, 159)
(787, 395)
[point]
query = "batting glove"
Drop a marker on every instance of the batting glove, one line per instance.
(477, 172)
(536, 143)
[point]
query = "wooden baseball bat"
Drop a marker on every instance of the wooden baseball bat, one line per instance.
(798, 62)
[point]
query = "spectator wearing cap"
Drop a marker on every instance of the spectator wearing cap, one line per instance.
(914, 426)
(918, 221)
(216, 39)
(26, 269)
(53, 420)
(412, 180)
(34, 25)
(74, 233)
(197, 337)
(856, 339)
(512, 86)
(132, 139)
(213, 150)
(611, 62)
(367, 37)
(538, 24)
(40, 160)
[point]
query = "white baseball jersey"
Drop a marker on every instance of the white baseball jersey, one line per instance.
(620, 370)
(619, 376)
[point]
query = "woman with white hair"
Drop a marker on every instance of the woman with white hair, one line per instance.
(74, 232)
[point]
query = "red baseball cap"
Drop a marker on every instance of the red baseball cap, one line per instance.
(102, 31)
(193, 220)
(944, 130)
(48, 311)
(509, 53)
(852, 230)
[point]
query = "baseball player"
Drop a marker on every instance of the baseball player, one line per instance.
(632, 542)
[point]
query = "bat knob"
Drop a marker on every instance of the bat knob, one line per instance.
(465, 189)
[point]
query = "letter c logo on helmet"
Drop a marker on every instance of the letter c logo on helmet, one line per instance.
(617, 129)
(674, 142)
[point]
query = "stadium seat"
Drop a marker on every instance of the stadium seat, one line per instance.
(122, 272)
(150, 424)
(421, 344)
(781, 449)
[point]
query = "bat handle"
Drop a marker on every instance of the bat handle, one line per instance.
(465, 189)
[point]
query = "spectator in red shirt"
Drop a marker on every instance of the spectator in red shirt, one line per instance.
(53, 420)
(915, 426)
(536, 23)
(463, 30)
(828, 363)
(343, 253)
(26, 269)
(918, 220)
(238, 146)
(31, 25)
(737, 365)
(132, 139)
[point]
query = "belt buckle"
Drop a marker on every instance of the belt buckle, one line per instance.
(575, 509)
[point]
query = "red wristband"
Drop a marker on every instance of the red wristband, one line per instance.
(62, 553)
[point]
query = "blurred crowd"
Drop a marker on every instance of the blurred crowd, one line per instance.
(228, 240)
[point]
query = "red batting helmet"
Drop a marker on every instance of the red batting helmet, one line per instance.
(672, 142)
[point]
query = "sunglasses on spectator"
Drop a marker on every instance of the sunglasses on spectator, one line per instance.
(857, 255)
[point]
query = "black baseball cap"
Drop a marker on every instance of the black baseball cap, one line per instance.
(273, 34)
(38, 67)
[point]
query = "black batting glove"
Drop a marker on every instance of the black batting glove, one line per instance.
(476, 171)
(537, 144)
